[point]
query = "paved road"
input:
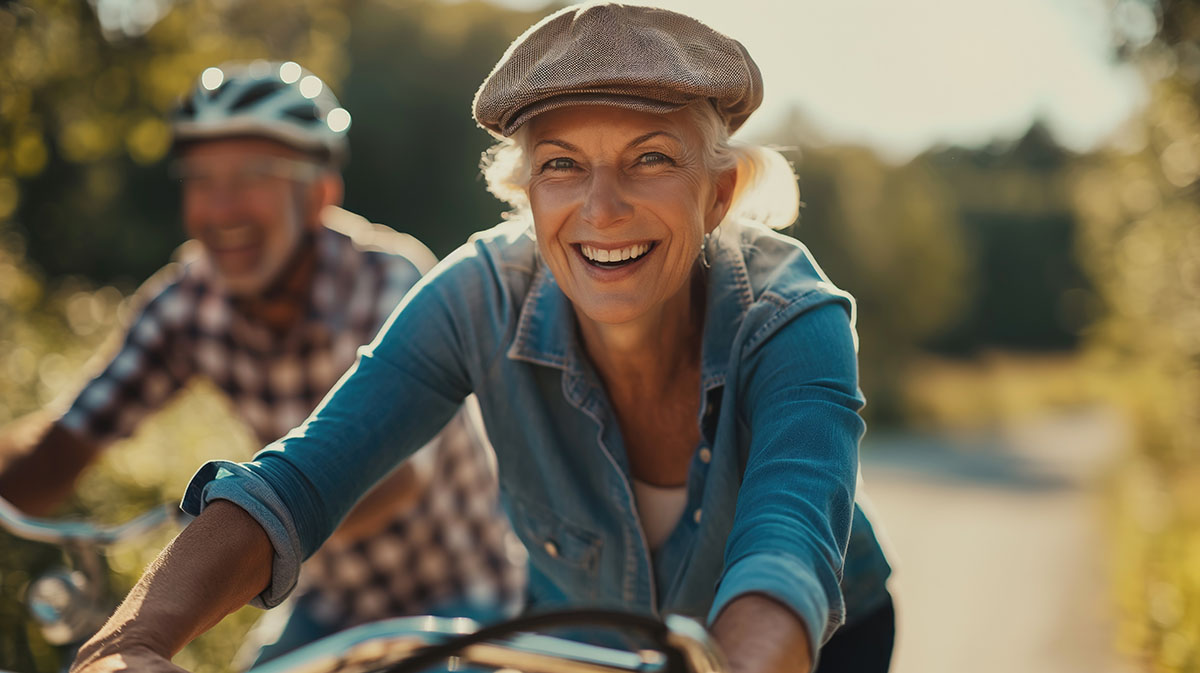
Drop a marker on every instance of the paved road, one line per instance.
(999, 547)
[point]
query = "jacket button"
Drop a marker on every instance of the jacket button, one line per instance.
(705, 455)
(551, 548)
(696, 515)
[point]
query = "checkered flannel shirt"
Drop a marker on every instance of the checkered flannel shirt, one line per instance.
(453, 547)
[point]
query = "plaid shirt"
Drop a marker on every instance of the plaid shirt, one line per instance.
(452, 547)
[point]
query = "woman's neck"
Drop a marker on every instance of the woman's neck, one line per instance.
(647, 355)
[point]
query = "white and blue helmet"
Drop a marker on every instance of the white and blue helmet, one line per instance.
(280, 101)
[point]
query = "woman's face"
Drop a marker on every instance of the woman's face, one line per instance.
(621, 201)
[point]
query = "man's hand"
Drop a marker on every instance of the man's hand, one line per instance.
(39, 463)
(759, 635)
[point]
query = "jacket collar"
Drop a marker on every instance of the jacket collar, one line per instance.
(546, 333)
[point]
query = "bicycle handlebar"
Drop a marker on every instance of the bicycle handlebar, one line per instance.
(70, 605)
(382, 645)
(62, 532)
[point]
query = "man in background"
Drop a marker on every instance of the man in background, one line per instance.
(270, 300)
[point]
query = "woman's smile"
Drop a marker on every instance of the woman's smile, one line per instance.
(602, 261)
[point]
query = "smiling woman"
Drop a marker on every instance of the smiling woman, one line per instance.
(670, 386)
(606, 181)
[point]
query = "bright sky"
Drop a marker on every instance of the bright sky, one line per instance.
(901, 75)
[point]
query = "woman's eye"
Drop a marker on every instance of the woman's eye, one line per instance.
(559, 164)
(654, 159)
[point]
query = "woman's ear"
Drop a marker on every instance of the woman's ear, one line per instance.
(724, 188)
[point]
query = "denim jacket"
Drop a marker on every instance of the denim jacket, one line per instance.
(770, 488)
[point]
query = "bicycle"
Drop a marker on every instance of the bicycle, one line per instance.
(70, 604)
(412, 644)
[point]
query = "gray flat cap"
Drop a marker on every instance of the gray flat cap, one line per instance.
(644, 58)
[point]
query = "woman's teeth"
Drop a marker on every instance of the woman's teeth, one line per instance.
(626, 254)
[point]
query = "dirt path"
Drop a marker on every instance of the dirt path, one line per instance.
(999, 549)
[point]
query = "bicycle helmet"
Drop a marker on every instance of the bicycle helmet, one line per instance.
(280, 101)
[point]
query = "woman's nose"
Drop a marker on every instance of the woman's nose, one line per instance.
(605, 202)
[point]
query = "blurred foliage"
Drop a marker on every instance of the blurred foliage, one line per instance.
(1014, 210)
(999, 390)
(1140, 209)
(82, 113)
(875, 228)
(46, 338)
(414, 147)
(958, 253)
(30, 331)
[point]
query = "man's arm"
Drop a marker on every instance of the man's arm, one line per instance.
(759, 635)
(41, 458)
(401, 489)
(215, 566)
(398, 491)
(39, 463)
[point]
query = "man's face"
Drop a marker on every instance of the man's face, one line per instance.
(247, 202)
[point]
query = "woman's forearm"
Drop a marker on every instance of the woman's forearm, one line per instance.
(215, 566)
(759, 635)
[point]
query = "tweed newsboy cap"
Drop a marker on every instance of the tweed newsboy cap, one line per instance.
(644, 58)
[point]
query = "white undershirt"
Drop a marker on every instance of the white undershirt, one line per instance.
(659, 509)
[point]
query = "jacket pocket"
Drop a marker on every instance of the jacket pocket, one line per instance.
(560, 551)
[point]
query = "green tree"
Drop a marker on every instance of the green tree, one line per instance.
(1140, 205)
(1014, 211)
(82, 114)
(888, 235)
(414, 147)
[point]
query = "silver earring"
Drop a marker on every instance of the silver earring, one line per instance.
(704, 251)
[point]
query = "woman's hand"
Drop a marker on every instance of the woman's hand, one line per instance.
(138, 659)
(759, 635)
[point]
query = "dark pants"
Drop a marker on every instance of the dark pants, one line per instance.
(863, 647)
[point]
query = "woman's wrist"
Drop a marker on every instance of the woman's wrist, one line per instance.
(758, 634)
(220, 561)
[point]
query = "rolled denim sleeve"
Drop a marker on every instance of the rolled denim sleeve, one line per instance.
(796, 500)
(403, 388)
(225, 480)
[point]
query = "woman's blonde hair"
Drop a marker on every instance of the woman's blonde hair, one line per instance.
(765, 192)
